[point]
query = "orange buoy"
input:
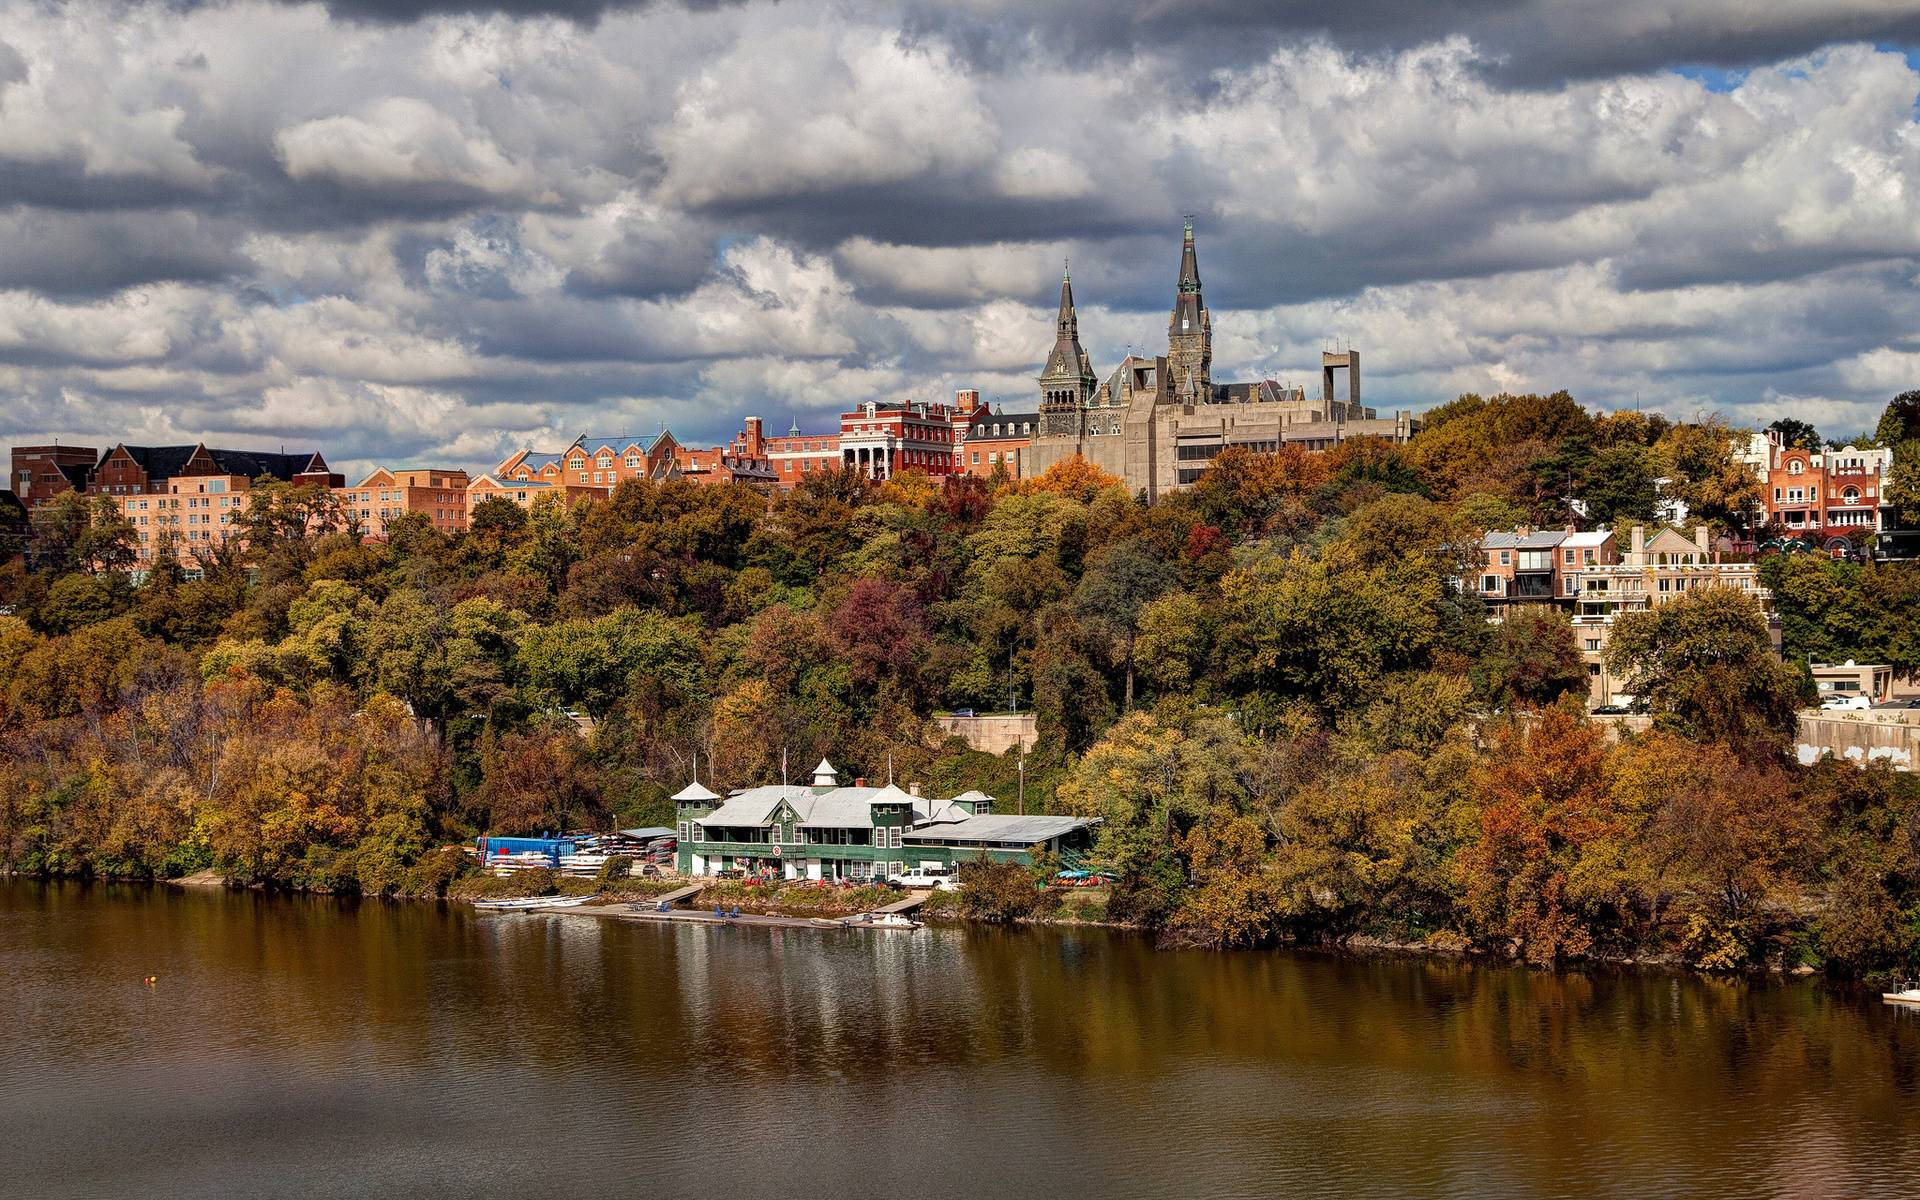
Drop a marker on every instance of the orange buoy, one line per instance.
(151, 980)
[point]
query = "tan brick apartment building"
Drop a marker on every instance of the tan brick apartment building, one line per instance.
(383, 497)
(1590, 577)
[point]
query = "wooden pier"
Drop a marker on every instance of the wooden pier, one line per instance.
(911, 904)
(685, 893)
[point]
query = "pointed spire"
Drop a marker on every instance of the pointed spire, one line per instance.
(1189, 264)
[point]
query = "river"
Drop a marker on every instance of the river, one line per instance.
(299, 1046)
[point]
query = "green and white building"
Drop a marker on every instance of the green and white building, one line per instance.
(825, 831)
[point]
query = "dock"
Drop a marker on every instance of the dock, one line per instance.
(685, 893)
(757, 920)
(911, 904)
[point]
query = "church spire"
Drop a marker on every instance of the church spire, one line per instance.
(1067, 381)
(1190, 331)
(1067, 354)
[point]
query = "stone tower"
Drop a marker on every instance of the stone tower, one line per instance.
(1190, 333)
(1067, 383)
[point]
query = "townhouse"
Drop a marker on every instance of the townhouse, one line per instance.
(1595, 582)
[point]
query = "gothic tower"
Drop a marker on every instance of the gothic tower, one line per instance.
(1068, 382)
(1190, 333)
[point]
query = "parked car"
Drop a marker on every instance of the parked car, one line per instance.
(1846, 700)
(965, 712)
(938, 878)
(1612, 710)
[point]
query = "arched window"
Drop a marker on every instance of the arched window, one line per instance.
(1795, 466)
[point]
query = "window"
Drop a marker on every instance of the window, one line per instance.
(1490, 584)
(1567, 556)
(1506, 558)
(1593, 645)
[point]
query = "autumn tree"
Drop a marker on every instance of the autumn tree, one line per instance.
(1705, 665)
(1534, 658)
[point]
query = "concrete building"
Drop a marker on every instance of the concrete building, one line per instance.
(828, 832)
(1872, 680)
(1157, 422)
(386, 495)
(39, 473)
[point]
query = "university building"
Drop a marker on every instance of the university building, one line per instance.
(1158, 422)
(386, 495)
(827, 832)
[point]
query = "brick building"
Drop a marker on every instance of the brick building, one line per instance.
(136, 470)
(794, 455)
(1594, 581)
(991, 440)
(39, 473)
(883, 438)
(525, 491)
(389, 494)
(201, 513)
(1832, 498)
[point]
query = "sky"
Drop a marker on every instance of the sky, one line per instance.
(412, 232)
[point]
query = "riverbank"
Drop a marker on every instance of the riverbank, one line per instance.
(1076, 908)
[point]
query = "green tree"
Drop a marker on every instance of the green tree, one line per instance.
(1796, 434)
(1111, 595)
(1704, 663)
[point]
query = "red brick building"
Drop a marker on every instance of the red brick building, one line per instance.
(883, 438)
(136, 470)
(39, 473)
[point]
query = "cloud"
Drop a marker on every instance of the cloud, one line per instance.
(433, 231)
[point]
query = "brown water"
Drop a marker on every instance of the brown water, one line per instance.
(309, 1047)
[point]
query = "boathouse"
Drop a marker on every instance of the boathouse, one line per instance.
(828, 832)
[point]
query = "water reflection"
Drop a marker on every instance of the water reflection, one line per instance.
(302, 1046)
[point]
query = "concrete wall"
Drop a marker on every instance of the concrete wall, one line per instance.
(1856, 737)
(993, 734)
(1861, 737)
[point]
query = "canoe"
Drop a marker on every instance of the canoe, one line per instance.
(531, 904)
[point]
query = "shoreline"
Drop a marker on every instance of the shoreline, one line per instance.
(614, 905)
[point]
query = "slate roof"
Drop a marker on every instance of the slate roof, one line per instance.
(164, 462)
(1541, 539)
(1001, 827)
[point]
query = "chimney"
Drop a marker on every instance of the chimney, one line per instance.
(913, 789)
(860, 781)
(1703, 538)
(1637, 547)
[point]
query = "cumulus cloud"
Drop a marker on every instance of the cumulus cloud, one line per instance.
(418, 230)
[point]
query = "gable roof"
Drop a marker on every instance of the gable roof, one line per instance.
(1004, 827)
